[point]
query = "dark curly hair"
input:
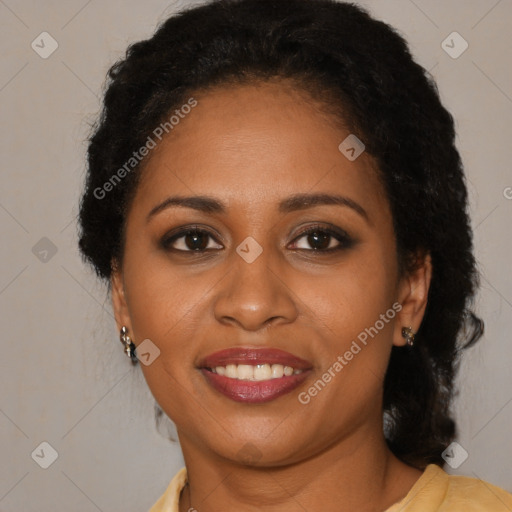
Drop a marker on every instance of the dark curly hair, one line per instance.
(363, 72)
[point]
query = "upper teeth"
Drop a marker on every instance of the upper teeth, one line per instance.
(257, 372)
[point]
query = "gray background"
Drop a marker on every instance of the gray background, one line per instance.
(64, 377)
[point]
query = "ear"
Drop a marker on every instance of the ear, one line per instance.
(119, 299)
(412, 296)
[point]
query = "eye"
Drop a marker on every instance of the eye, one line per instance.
(324, 240)
(192, 239)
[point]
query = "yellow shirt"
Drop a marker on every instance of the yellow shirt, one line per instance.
(434, 491)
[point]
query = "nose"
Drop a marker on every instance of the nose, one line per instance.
(256, 295)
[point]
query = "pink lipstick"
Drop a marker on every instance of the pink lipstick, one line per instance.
(253, 375)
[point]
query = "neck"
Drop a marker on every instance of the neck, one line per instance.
(358, 472)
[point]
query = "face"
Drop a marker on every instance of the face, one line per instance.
(256, 269)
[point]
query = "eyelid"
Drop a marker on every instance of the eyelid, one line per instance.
(188, 228)
(326, 227)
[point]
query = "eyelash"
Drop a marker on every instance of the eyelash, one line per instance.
(345, 241)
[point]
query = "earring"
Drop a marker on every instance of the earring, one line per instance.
(409, 335)
(129, 347)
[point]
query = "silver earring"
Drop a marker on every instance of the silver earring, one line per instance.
(409, 335)
(129, 347)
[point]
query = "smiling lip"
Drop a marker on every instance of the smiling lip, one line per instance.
(254, 356)
(254, 391)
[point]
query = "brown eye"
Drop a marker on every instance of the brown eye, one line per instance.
(189, 240)
(324, 240)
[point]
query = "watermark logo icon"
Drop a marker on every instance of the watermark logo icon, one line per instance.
(454, 45)
(44, 250)
(147, 352)
(352, 147)
(45, 455)
(249, 249)
(249, 453)
(44, 45)
(455, 455)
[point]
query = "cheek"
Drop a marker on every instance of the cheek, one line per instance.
(354, 295)
(168, 309)
(161, 296)
(171, 306)
(355, 309)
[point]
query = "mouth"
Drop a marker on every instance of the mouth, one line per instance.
(254, 375)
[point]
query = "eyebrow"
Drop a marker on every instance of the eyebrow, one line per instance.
(293, 203)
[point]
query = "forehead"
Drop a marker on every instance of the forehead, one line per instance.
(254, 144)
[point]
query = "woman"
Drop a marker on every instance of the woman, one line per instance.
(275, 197)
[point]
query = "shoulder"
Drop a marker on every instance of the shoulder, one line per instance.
(436, 490)
(476, 494)
(169, 501)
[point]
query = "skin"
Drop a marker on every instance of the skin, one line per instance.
(250, 147)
